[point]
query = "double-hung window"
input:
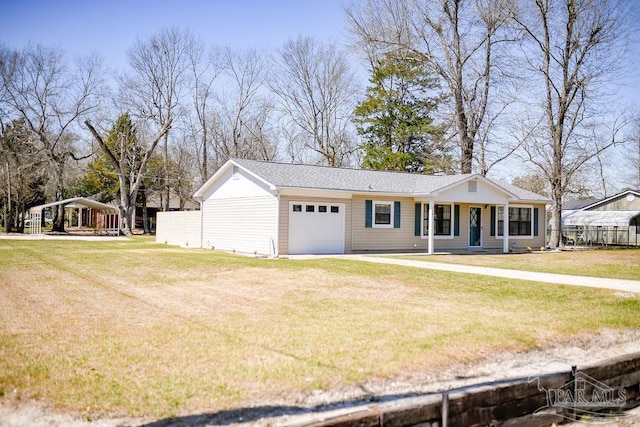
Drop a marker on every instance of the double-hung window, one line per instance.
(519, 221)
(442, 216)
(383, 214)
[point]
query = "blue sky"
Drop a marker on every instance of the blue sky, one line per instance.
(111, 27)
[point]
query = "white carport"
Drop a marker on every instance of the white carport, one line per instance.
(107, 216)
(603, 227)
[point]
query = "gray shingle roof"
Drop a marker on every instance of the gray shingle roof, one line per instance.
(521, 192)
(577, 204)
(360, 180)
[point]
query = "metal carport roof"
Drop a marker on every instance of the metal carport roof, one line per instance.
(600, 218)
(75, 201)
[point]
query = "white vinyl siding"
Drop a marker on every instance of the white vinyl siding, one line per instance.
(179, 228)
(245, 225)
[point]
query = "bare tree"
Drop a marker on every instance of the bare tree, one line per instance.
(129, 159)
(40, 89)
(153, 89)
(572, 48)
(317, 90)
(21, 174)
(633, 154)
(242, 119)
(457, 38)
(204, 68)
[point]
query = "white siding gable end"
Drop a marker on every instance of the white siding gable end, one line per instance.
(237, 183)
(482, 192)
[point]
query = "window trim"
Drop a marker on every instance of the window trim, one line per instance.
(390, 203)
(512, 237)
(451, 228)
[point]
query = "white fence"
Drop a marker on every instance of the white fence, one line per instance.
(183, 228)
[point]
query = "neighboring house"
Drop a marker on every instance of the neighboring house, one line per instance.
(614, 220)
(279, 209)
(154, 205)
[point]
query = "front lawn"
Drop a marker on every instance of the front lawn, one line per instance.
(612, 263)
(140, 329)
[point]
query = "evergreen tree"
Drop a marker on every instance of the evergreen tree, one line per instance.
(396, 121)
(128, 158)
(101, 180)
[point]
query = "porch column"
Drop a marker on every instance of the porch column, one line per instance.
(431, 227)
(80, 217)
(505, 228)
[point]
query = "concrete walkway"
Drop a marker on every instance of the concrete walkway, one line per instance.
(562, 279)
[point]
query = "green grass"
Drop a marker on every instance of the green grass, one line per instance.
(611, 263)
(136, 328)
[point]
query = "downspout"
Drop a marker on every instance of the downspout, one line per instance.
(200, 201)
(276, 251)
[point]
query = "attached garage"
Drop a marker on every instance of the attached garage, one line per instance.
(316, 228)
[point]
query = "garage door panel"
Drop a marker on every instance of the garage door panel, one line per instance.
(316, 228)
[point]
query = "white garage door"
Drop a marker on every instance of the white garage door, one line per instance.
(316, 228)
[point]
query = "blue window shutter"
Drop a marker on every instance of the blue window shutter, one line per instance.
(418, 219)
(493, 220)
(456, 220)
(535, 221)
(396, 214)
(368, 209)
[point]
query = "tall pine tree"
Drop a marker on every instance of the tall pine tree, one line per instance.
(395, 120)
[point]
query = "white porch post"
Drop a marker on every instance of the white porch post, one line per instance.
(505, 228)
(80, 217)
(431, 227)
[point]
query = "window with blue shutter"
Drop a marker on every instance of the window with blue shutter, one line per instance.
(368, 213)
(396, 214)
(493, 220)
(456, 220)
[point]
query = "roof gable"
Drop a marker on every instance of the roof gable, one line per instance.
(632, 194)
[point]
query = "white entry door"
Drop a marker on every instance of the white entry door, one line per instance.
(316, 228)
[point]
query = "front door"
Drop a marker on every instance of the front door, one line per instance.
(475, 228)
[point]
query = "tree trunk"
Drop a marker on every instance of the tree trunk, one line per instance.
(7, 207)
(145, 218)
(555, 239)
(165, 189)
(126, 213)
(466, 161)
(58, 216)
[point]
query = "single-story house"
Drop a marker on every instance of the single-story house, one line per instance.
(613, 220)
(278, 209)
(154, 205)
